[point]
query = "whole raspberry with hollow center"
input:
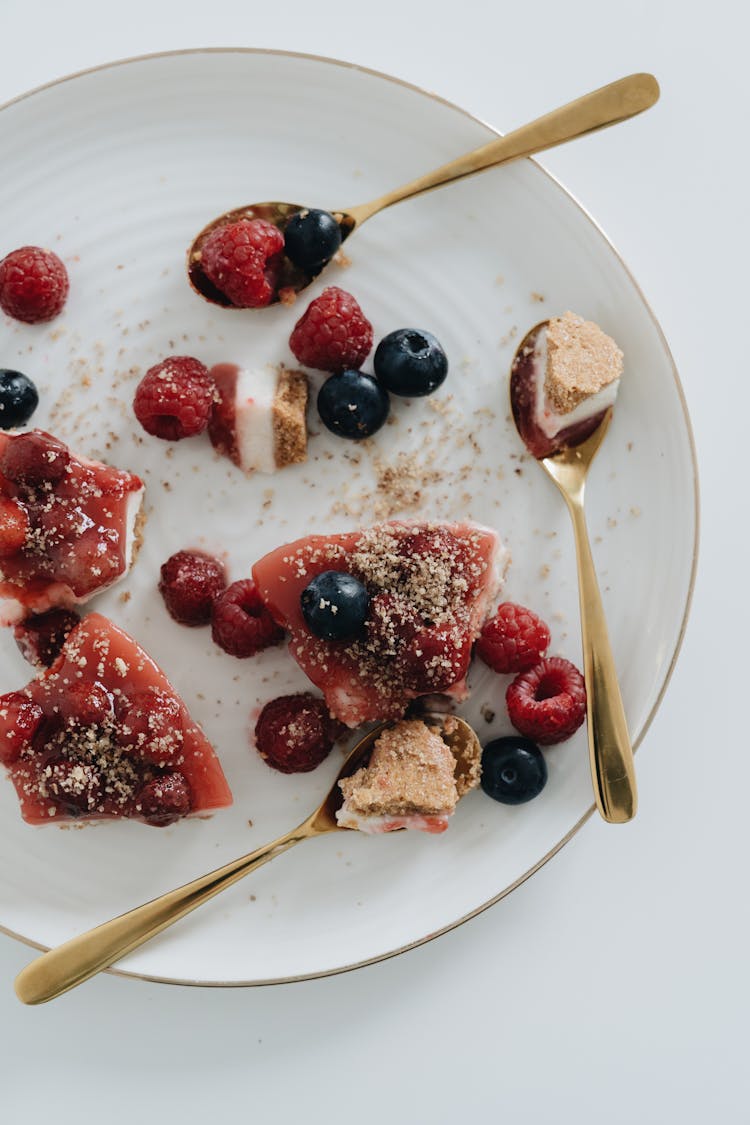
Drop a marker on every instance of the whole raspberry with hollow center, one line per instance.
(547, 703)
(190, 582)
(33, 284)
(243, 260)
(174, 398)
(514, 640)
(241, 624)
(295, 733)
(333, 334)
(40, 638)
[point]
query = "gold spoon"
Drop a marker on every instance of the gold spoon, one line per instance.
(610, 751)
(603, 107)
(84, 956)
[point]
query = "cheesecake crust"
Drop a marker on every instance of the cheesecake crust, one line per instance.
(289, 418)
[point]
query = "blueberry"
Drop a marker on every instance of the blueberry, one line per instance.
(335, 605)
(410, 362)
(18, 399)
(352, 404)
(311, 238)
(513, 770)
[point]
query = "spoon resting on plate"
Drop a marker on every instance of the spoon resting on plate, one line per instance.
(566, 456)
(327, 230)
(81, 958)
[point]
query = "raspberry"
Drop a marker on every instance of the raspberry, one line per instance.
(514, 640)
(74, 786)
(150, 725)
(174, 398)
(243, 261)
(34, 458)
(241, 623)
(33, 284)
(190, 583)
(435, 659)
(23, 718)
(333, 334)
(14, 527)
(41, 638)
(163, 800)
(295, 733)
(547, 703)
(86, 704)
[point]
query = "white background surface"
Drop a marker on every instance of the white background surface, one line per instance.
(612, 986)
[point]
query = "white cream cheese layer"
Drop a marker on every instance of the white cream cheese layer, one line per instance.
(254, 396)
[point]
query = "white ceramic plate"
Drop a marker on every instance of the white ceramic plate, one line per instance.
(116, 169)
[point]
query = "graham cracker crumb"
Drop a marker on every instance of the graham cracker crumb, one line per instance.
(581, 360)
(289, 418)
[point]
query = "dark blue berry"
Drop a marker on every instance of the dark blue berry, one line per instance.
(513, 770)
(352, 404)
(410, 362)
(311, 238)
(335, 605)
(18, 399)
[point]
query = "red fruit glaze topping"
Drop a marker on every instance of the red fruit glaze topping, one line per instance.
(295, 733)
(436, 658)
(333, 334)
(20, 718)
(514, 640)
(174, 398)
(40, 638)
(242, 625)
(71, 753)
(190, 583)
(33, 284)
(150, 725)
(548, 703)
(14, 527)
(243, 260)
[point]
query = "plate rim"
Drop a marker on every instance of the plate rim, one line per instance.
(557, 847)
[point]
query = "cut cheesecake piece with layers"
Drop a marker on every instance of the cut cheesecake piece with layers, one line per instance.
(413, 780)
(102, 734)
(564, 377)
(259, 420)
(69, 526)
(430, 586)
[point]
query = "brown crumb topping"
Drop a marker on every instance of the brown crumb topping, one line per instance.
(411, 770)
(581, 360)
(289, 418)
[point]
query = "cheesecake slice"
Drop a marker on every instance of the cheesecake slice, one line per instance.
(430, 586)
(259, 419)
(413, 780)
(102, 734)
(69, 527)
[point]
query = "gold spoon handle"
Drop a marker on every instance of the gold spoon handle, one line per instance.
(605, 106)
(610, 752)
(84, 956)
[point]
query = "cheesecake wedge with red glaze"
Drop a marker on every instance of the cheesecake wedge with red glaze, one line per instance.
(69, 526)
(102, 734)
(430, 586)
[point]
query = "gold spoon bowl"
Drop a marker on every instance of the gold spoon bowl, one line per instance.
(606, 106)
(568, 464)
(81, 958)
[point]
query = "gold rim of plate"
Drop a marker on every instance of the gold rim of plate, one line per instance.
(696, 514)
